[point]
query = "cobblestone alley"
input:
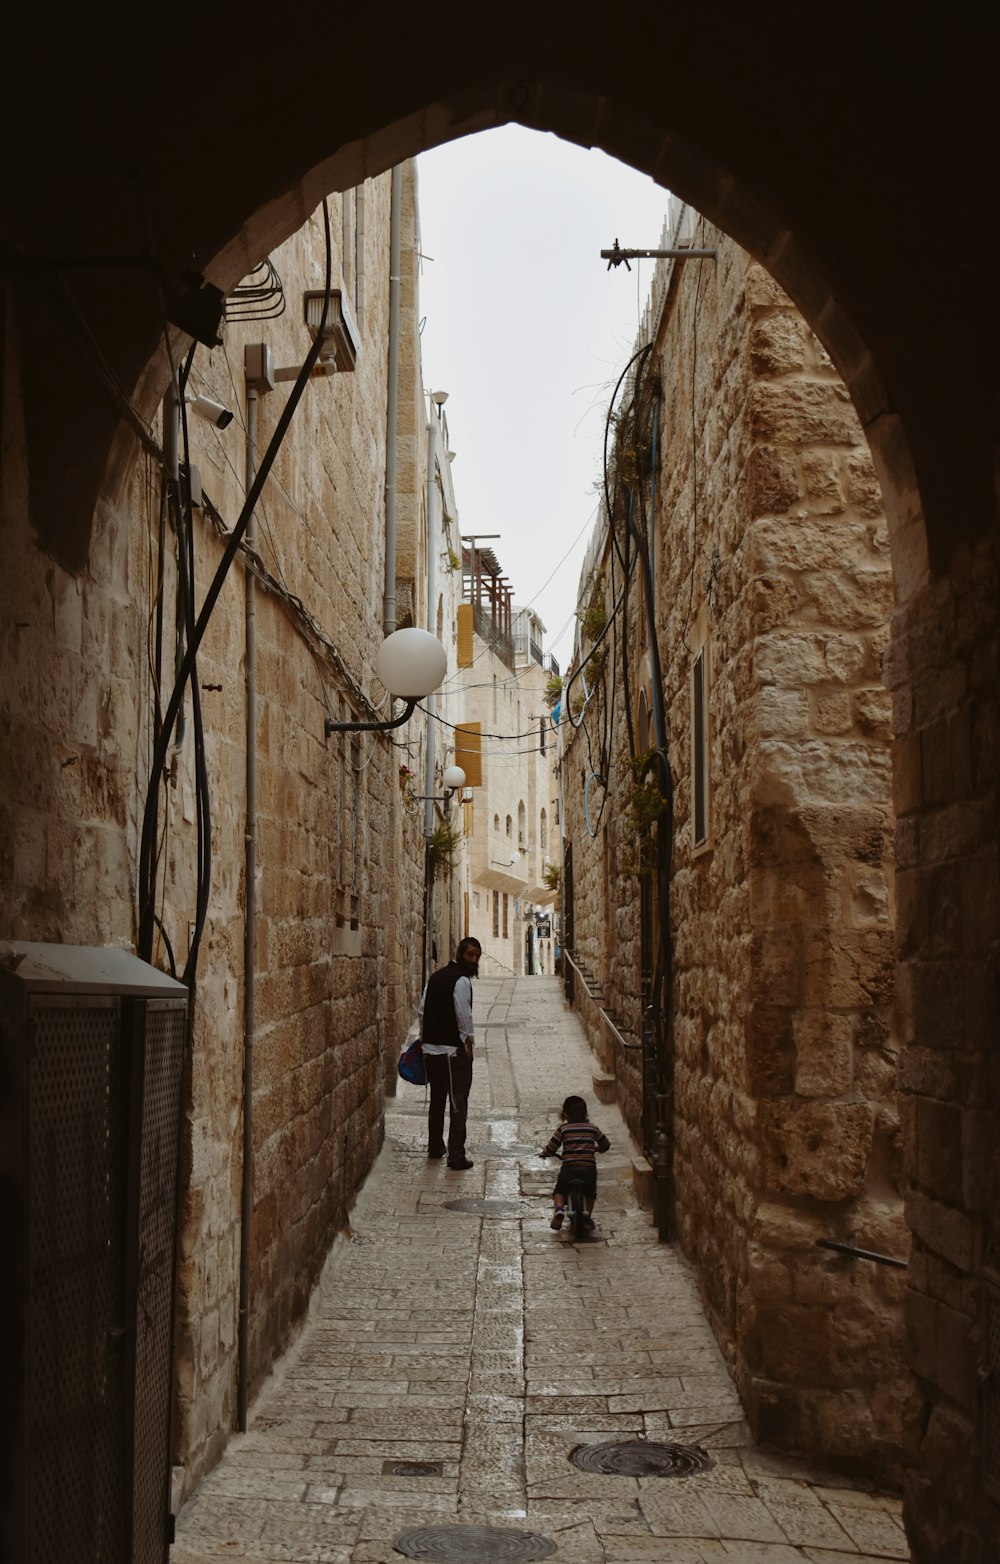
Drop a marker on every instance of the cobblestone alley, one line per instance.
(481, 1349)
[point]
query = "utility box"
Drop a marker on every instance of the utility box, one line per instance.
(91, 1058)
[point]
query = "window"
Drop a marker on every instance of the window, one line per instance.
(496, 824)
(522, 840)
(541, 735)
(543, 831)
(700, 779)
(510, 826)
(506, 905)
(496, 914)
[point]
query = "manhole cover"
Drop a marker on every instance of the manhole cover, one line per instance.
(411, 1468)
(641, 1458)
(485, 1207)
(473, 1545)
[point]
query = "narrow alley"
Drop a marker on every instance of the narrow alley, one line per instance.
(459, 1352)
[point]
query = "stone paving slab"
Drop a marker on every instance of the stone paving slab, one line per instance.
(493, 1346)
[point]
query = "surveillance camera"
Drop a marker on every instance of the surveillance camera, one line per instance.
(216, 414)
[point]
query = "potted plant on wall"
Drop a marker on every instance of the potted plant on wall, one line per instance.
(442, 844)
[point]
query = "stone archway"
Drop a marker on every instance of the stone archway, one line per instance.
(111, 152)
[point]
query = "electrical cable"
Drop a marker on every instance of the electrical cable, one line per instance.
(146, 913)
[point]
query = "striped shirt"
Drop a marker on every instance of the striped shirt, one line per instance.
(578, 1142)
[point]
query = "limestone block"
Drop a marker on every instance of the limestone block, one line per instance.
(824, 1053)
(844, 656)
(821, 475)
(778, 344)
(772, 481)
(873, 712)
(869, 898)
(945, 1231)
(790, 660)
(863, 490)
(803, 412)
(832, 713)
(804, 543)
(847, 597)
(774, 602)
(820, 773)
(781, 713)
(762, 291)
(876, 1074)
(821, 1149)
(605, 1087)
(643, 1182)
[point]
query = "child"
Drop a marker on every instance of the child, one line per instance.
(579, 1140)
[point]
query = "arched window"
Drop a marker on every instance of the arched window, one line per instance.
(522, 840)
(543, 831)
(510, 826)
(496, 822)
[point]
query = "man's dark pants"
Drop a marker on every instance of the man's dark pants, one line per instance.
(450, 1079)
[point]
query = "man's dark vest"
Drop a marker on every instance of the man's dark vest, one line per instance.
(440, 1026)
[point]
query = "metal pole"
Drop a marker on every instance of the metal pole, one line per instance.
(389, 596)
(249, 930)
(430, 704)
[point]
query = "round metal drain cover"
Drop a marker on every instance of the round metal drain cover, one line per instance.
(473, 1545)
(641, 1458)
(485, 1207)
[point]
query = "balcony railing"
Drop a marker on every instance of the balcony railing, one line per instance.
(498, 641)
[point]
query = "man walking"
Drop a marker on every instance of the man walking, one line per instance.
(448, 1039)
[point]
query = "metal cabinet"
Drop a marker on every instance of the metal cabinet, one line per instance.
(91, 1057)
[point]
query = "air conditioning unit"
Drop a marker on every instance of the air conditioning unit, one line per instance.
(91, 1054)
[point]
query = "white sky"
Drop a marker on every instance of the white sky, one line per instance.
(527, 331)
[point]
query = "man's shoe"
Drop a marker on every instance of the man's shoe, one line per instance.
(556, 1222)
(460, 1167)
(435, 1154)
(588, 1221)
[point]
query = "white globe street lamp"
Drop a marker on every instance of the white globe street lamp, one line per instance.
(410, 663)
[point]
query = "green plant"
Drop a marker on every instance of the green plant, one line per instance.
(553, 689)
(551, 876)
(442, 844)
(454, 563)
(595, 620)
(645, 805)
(597, 662)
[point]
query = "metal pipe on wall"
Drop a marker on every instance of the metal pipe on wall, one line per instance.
(389, 597)
(249, 930)
(430, 704)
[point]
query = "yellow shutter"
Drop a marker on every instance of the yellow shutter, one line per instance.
(469, 752)
(464, 634)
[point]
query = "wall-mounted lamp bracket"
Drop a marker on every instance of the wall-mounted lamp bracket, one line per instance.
(330, 726)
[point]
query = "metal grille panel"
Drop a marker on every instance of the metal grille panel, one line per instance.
(164, 1053)
(75, 1369)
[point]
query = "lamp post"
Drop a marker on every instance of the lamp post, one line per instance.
(411, 664)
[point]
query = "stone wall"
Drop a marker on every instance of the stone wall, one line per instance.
(339, 863)
(943, 672)
(771, 557)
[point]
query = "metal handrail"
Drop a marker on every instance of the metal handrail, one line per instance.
(608, 1021)
(860, 1254)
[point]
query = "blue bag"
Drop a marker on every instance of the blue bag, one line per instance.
(411, 1064)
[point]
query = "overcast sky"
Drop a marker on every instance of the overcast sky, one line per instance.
(527, 331)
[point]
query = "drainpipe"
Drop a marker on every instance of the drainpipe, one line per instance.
(431, 701)
(250, 922)
(389, 598)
